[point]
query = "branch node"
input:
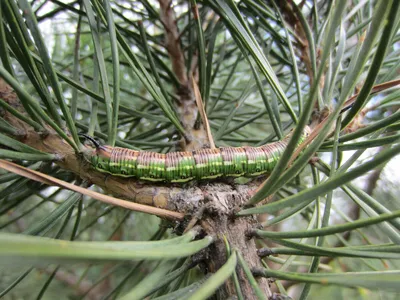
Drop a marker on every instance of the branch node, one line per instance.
(263, 252)
(251, 233)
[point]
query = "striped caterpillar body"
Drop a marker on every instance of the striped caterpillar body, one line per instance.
(185, 166)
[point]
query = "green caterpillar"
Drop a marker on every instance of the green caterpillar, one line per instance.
(185, 166)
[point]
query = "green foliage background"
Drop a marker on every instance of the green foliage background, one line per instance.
(101, 67)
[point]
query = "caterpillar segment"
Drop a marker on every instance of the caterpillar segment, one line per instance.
(234, 160)
(209, 163)
(257, 161)
(182, 167)
(123, 161)
(179, 167)
(273, 152)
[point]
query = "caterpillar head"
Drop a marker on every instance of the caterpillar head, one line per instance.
(99, 156)
(101, 160)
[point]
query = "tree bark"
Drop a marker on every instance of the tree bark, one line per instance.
(219, 219)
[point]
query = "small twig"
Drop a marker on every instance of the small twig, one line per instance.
(203, 114)
(49, 180)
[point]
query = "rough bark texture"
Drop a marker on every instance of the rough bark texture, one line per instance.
(218, 219)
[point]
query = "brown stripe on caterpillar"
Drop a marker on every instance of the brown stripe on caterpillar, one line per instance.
(233, 160)
(256, 161)
(123, 160)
